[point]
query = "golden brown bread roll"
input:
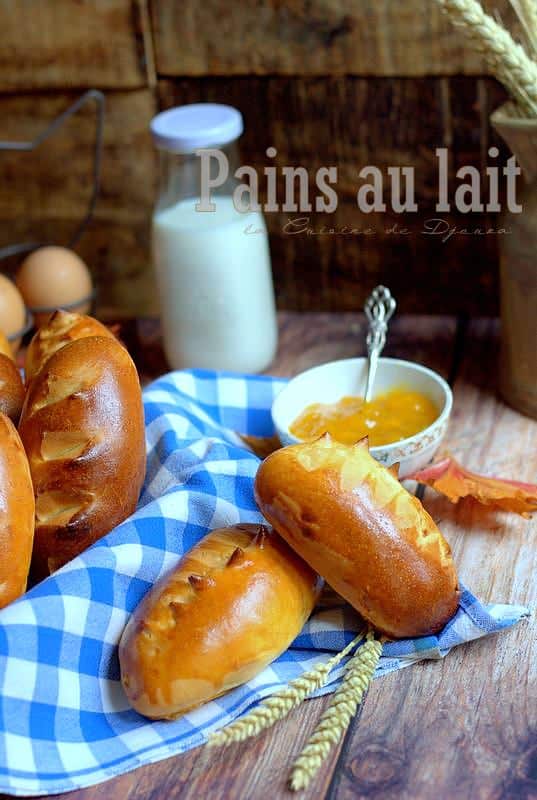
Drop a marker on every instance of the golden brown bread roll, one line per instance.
(11, 389)
(83, 429)
(61, 328)
(17, 513)
(5, 346)
(232, 605)
(353, 522)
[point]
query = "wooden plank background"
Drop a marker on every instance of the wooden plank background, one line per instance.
(346, 82)
(44, 194)
(60, 44)
(312, 37)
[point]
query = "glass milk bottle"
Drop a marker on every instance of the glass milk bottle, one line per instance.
(213, 267)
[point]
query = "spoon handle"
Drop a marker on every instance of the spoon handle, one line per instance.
(379, 309)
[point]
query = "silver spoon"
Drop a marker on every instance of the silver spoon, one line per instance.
(379, 309)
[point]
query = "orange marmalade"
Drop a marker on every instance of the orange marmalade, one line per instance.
(387, 418)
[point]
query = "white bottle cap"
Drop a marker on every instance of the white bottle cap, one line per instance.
(186, 128)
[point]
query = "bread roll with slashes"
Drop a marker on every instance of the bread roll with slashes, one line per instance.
(354, 523)
(232, 605)
(82, 425)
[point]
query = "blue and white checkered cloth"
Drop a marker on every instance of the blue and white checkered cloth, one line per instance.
(65, 721)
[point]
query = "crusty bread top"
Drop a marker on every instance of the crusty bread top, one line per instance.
(61, 328)
(355, 469)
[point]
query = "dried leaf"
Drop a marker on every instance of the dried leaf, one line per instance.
(451, 479)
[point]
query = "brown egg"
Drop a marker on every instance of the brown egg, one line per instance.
(12, 310)
(54, 277)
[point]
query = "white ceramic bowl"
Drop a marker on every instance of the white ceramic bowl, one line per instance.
(330, 382)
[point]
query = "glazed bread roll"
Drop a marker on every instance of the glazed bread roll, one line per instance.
(232, 605)
(17, 512)
(61, 328)
(82, 426)
(355, 524)
(11, 389)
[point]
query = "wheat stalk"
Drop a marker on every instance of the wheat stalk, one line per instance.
(526, 11)
(335, 720)
(507, 59)
(279, 704)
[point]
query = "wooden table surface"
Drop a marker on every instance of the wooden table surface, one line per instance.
(463, 727)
